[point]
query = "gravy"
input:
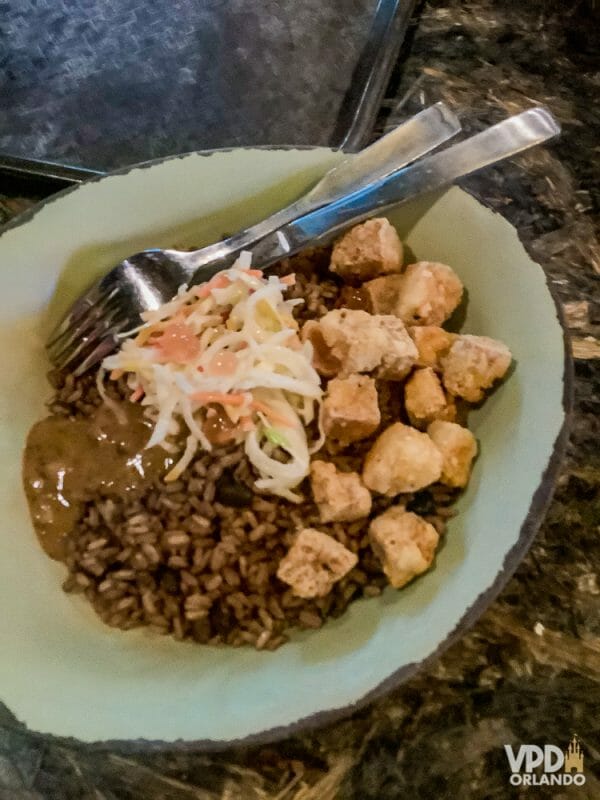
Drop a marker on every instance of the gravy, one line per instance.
(218, 428)
(66, 461)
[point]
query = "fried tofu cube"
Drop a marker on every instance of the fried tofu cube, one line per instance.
(367, 250)
(428, 294)
(328, 345)
(400, 353)
(347, 340)
(432, 344)
(425, 294)
(458, 447)
(380, 295)
(350, 409)
(404, 543)
(425, 399)
(473, 364)
(340, 496)
(401, 460)
(314, 563)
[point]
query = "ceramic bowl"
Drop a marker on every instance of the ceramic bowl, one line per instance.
(62, 671)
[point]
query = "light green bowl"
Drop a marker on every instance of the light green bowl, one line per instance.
(61, 670)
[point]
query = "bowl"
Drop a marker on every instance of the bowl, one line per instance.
(62, 671)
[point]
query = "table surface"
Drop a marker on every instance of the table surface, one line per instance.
(529, 670)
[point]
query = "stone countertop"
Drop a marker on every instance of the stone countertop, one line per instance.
(529, 670)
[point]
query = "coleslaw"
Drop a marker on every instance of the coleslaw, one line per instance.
(228, 350)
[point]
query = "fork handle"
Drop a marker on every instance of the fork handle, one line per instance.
(412, 139)
(501, 141)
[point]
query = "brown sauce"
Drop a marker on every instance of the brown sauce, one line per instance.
(66, 461)
(217, 427)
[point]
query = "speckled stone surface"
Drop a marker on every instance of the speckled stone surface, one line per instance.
(529, 671)
(106, 83)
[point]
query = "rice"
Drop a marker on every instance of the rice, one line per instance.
(184, 561)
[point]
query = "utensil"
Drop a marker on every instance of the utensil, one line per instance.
(497, 143)
(146, 279)
(90, 330)
(61, 175)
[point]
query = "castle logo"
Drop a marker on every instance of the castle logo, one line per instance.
(574, 756)
(532, 765)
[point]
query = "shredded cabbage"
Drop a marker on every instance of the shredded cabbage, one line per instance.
(231, 347)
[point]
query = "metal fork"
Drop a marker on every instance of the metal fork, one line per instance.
(145, 280)
(494, 144)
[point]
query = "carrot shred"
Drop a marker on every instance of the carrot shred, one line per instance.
(137, 394)
(218, 282)
(288, 280)
(220, 397)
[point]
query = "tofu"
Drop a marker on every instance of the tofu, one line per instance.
(340, 496)
(350, 410)
(432, 344)
(348, 340)
(314, 563)
(401, 460)
(367, 250)
(380, 296)
(404, 543)
(458, 447)
(473, 364)
(428, 294)
(425, 399)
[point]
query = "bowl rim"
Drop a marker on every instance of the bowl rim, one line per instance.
(538, 507)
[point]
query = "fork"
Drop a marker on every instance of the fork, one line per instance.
(119, 312)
